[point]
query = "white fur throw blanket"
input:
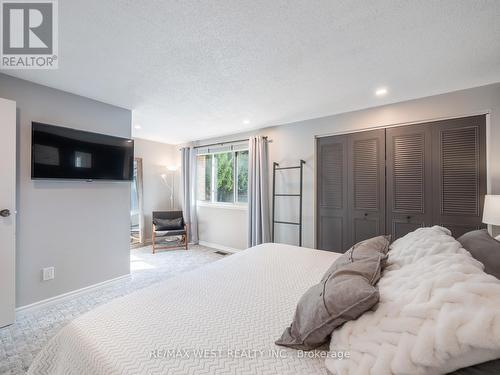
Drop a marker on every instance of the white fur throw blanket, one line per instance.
(438, 312)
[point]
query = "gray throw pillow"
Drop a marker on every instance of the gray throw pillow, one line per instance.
(376, 244)
(484, 248)
(346, 291)
(485, 368)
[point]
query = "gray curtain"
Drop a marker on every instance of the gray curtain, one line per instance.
(188, 172)
(258, 192)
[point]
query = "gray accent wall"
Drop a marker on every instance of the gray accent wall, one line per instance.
(80, 228)
(295, 141)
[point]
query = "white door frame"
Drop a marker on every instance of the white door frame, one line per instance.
(7, 211)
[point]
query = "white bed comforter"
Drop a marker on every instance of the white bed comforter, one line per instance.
(222, 318)
(438, 312)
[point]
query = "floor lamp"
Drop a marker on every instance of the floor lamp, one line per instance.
(170, 184)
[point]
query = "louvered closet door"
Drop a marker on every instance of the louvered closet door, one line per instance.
(409, 178)
(366, 199)
(459, 175)
(332, 223)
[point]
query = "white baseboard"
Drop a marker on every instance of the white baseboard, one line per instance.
(73, 293)
(219, 247)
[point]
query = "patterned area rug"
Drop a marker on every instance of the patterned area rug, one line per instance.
(20, 342)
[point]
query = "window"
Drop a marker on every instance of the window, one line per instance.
(204, 191)
(223, 177)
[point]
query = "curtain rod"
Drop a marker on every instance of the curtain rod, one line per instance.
(222, 143)
(225, 143)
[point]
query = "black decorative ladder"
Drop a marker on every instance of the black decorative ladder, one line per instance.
(276, 168)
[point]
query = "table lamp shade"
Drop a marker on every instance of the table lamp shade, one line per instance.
(491, 214)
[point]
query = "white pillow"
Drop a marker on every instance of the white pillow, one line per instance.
(438, 312)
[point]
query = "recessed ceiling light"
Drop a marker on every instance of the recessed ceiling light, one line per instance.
(246, 122)
(381, 91)
(138, 127)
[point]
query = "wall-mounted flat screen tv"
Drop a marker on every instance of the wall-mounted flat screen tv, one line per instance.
(69, 154)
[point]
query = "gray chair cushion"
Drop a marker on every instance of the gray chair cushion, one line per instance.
(346, 291)
(484, 248)
(168, 224)
(167, 214)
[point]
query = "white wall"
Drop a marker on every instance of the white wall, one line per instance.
(223, 226)
(295, 141)
(80, 228)
(156, 157)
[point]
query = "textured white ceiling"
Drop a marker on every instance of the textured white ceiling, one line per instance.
(196, 69)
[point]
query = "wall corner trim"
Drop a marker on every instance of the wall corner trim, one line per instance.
(219, 247)
(74, 293)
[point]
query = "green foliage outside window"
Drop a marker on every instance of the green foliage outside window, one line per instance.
(225, 182)
(229, 179)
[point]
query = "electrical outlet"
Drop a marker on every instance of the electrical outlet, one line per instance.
(48, 273)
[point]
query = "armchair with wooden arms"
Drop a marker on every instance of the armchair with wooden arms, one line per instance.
(168, 224)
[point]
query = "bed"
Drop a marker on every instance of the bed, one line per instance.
(438, 311)
(222, 318)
